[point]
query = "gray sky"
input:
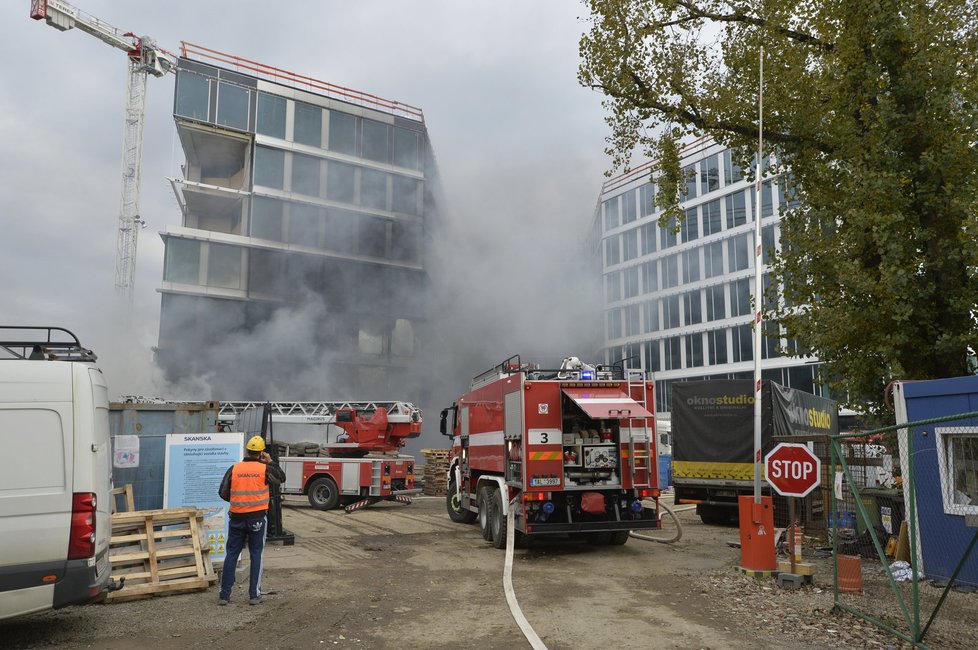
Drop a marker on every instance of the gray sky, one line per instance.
(519, 146)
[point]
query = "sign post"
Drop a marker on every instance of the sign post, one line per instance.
(793, 471)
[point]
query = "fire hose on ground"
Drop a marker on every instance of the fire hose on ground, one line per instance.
(514, 607)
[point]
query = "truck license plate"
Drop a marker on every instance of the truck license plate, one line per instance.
(545, 482)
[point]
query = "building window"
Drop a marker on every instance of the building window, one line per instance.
(405, 241)
(266, 272)
(611, 213)
(373, 237)
(672, 357)
(271, 115)
(689, 173)
(232, 106)
(612, 251)
(266, 218)
(957, 449)
(375, 141)
(613, 287)
(669, 234)
(787, 193)
(647, 194)
(731, 170)
(690, 226)
(691, 265)
(308, 128)
(650, 277)
(650, 312)
(712, 221)
(738, 252)
(648, 238)
(270, 167)
(771, 345)
(630, 244)
(713, 260)
(767, 244)
(767, 199)
(340, 179)
(717, 346)
(343, 133)
(373, 189)
(182, 261)
(370, 339)
(670, 271)
(628, 208)
(670, 312)
(692, 308)
(193, 96)
(407, 148)
(402, 338)
(743, 343)
(736, 209)
(305, 174)
(305, 223)
(340, 228)
(224, 266)
(715, 307)
(632, 323)
(614, 324)
(740, 297)
(652, 363)
(405, 197)
(694, 350)
(630, 275)
(710, 174)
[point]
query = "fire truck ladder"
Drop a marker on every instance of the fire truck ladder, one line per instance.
(396, 411)
(639, 454)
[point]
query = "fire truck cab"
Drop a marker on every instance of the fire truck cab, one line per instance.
(571, 451)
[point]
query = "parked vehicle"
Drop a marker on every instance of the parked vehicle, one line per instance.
(55, 472)
(571, 451)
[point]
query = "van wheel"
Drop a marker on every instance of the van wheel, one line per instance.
(498, 520)
(484, 502)
(456, 512)
(323, 494)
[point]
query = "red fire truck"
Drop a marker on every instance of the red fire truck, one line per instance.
(571, 450)
(354, 461)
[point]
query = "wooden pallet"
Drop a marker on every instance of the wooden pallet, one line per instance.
(159, 552)
(436, 454)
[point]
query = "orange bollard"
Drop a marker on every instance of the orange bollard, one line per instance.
(850, 570)
(757, 553)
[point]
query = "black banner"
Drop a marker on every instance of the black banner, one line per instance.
(798, 413)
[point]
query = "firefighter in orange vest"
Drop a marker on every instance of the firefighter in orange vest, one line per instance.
(245, 486)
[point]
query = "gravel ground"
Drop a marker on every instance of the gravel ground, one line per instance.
(406, 577)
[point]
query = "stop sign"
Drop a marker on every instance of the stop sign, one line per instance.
(792, 470)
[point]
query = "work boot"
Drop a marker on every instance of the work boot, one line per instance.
(223, 601)
(257, 601)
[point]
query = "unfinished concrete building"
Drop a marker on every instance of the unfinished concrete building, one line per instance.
(299, 199)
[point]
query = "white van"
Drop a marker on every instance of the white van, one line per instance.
(55, 472)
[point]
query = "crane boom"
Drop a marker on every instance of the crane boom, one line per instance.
(145, 58)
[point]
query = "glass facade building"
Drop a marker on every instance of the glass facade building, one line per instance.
(289, 197)
(678, 301)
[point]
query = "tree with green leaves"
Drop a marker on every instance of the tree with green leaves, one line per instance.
(871, 108)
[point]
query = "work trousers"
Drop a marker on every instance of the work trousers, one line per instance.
(240, 530)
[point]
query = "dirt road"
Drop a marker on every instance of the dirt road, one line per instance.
(396, 576)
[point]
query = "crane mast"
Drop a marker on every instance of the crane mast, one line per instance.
(145, 59)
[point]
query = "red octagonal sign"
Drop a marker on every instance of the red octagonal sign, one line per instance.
(792, 469)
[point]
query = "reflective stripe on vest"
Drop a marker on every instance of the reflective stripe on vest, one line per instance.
(249, 490)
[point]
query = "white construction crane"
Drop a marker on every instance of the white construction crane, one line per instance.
(145, 58)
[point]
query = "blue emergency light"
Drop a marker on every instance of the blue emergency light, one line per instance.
(587, 375)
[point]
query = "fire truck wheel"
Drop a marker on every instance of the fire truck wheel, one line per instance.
(323, 494)
(498, 521)
(602, 538)
(456, 512)
(618, 538)
(484, 501)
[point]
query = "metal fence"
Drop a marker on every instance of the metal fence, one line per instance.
(884, 570)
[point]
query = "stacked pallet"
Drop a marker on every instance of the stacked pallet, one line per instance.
(435, 472)
(159, 552)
